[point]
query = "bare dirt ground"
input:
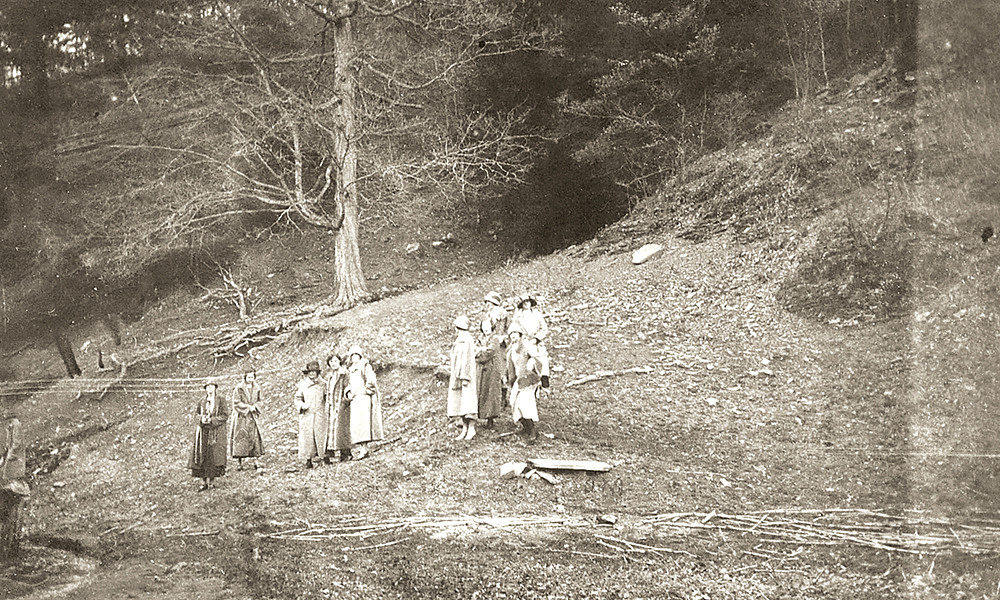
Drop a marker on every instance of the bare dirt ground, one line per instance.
(793, 434)
(746, 408)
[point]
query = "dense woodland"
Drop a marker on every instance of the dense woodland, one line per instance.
(155, 134)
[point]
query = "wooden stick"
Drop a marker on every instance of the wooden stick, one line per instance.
(374, 546)
(606, 374)
(193, 533)
(646, 547)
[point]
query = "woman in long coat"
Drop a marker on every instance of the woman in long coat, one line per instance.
(366, 403)
(524, 378)
(462, 399)
(314, 416)
(244, 434)
(490, 363)
(208, 455)
(339, 439)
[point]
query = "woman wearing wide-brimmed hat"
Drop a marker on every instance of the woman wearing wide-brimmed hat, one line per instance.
(366, 402)
(208, 455)
(310, 401)
(529, 319)
(462, 399)
(244, 435)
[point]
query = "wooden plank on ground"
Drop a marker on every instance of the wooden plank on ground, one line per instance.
(569, 465)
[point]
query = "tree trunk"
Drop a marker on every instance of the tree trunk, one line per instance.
(66, 353)
(10, 524)
(34, 66)
(347, 261)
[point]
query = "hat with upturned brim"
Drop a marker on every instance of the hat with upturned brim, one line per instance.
(462, 322)
(493, 298)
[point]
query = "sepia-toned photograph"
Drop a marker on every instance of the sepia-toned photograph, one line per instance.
(499, 299)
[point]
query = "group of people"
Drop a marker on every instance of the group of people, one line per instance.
(505, 364)
(337, 416)
(340, 415)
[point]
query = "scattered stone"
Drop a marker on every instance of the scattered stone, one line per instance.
(512, 470)
(645, 253)
(607, 519)
(412, 248)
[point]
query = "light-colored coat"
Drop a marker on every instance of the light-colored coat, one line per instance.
(462, 399)
(366, 403)
(531, 322)
(310, 401)
(523, 376)
(499, 321)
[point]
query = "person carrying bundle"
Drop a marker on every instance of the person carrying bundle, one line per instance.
(208, 454)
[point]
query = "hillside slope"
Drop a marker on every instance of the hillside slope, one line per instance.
(775, 383)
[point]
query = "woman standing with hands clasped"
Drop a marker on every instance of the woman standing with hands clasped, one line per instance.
(244, 435)
(208, 456)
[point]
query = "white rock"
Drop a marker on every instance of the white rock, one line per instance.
(512, 470)
(645, 253)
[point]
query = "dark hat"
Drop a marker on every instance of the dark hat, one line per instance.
(312, 367)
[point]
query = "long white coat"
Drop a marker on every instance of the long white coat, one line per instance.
(462, 398)
(310, 401)
(366, 403)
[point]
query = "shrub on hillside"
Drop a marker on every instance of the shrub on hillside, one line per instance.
(858, 269)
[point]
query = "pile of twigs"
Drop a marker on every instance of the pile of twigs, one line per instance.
(908, 532)
(357, 527)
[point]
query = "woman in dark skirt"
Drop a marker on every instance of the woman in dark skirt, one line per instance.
(208, 455)
(244, 435)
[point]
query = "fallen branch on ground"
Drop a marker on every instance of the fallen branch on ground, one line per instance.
(904, 533)
(353, 529)
(645, 370)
